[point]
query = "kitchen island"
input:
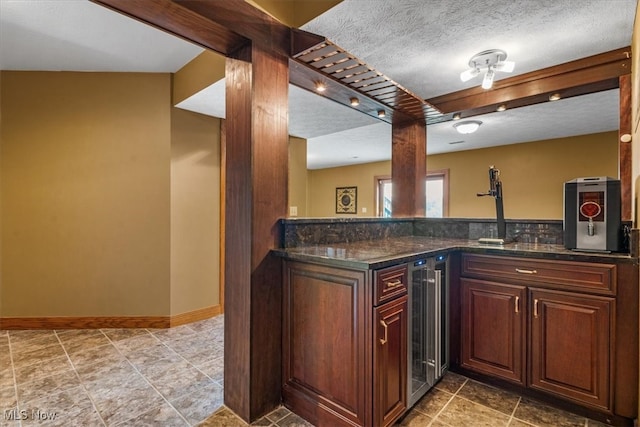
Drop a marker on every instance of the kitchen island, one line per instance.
(557, 324)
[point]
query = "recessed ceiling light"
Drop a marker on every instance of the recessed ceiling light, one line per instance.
(457, 116)
(554, 96)
(321, 86)
(354, 102)
(381, 113)
(501, 107)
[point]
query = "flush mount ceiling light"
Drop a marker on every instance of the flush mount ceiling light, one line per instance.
(468, 126)
(488, 61)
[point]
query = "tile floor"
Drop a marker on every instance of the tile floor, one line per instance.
(174, 377)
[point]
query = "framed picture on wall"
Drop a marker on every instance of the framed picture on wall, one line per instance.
(346, 200)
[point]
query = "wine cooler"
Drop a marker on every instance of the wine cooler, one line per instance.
(428, 352)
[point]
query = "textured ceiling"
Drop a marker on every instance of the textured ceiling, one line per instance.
(421, 44)
(425, 44)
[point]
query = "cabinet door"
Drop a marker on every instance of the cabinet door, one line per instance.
(390, 361)
(570, 341)
(493, 328)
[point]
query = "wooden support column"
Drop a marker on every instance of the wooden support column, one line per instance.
(408, 168)
(624, 152)
(256, 198)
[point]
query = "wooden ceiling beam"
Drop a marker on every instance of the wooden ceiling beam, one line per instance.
(579, 77)
(179, 21)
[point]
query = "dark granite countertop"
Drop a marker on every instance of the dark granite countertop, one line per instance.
(374, 254)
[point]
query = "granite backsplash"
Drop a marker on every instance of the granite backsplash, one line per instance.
(323, 231)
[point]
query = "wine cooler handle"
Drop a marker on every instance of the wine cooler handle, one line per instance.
(438, 338)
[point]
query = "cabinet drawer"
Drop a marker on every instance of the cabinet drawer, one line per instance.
(390, 283)
(584, 276)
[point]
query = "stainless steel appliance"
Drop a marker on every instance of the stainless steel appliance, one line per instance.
(428, 352)
(592, 215)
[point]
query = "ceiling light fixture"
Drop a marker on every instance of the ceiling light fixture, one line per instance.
(501, 107)
(457, 116)
(321, 86)
(468, 126)
(488, 61)
(554, 96)
(381, 113)
(354, 102)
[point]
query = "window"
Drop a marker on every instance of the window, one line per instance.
(437, 194)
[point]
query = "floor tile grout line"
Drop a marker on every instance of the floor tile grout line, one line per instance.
(435, 417)
(188, 361)
(75, 371)
(15, 380)
(148, 382)
(515, 408)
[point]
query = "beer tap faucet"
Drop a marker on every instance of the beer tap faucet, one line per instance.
(495, 190)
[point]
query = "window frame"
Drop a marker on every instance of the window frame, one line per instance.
(380, 180)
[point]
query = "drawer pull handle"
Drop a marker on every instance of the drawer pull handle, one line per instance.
(535, 308)
(520, 270)
(394, 283)
(383, 341)
(517, 304)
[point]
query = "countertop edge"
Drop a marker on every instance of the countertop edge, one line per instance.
(551, 252)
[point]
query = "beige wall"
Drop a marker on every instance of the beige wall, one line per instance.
(532, 174)
(323, 182)
(87, 198)
(298, 175)
(195, 211)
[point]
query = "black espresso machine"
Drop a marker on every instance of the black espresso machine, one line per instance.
(592, 215)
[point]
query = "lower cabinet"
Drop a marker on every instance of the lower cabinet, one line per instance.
(553, 326)
(390, 362)
(570, 342)
(493, 329)
(345, 344)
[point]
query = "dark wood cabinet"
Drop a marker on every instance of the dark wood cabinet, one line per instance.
(562, 328)
(344, 353)
(390, 361)
(493, 328)
(570, 345)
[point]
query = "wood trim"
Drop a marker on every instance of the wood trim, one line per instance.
(223, 198)
(625, 148)
(106, 322)
(587, 75)
(444, 173)
(377, 184)
(195, 315)
(257, 26)
(180, 21)
(85, 322)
